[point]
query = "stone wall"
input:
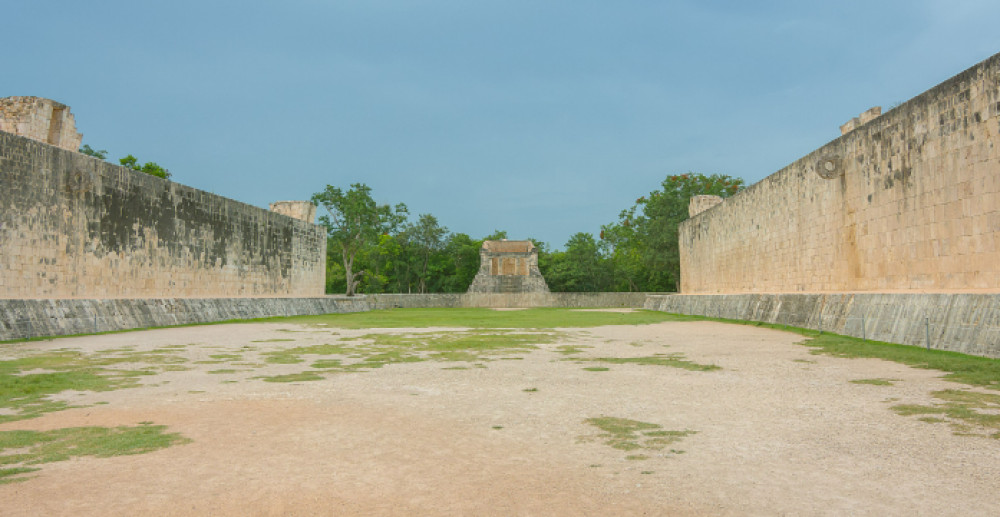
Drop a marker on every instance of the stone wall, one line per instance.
(908, 201)
(40, 119)
(72, 226)
(508, 267)
(301, 210)
(20, 319)
(966, 323)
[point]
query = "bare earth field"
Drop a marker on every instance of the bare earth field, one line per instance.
(773, 431)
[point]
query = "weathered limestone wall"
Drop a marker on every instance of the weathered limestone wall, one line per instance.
(301, 210)
(966, 323)
(909, 201)
(20, 319)
(72, 226)
(699, 204)
(40, 119)
(508, 267)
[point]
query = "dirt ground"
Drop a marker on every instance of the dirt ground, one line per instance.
(777, 431)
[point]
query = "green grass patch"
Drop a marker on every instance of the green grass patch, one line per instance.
(27, 382)
(293, 355)
(597, 369)
(227, 357)
(223, 371)
(571, 349)
(422, 318)
(294, 377)
(968, 412)
(962, 368)
(479, 318)
(629, 435)
(670, 360)
(373, 351)
(875, 382)
(20, 449)
(967, 369)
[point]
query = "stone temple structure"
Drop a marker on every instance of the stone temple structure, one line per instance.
(508, 267)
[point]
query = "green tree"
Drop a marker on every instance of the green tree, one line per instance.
(354, 222)
(581, 268)
(150, 168)
(89, 151)
(646, 233)
(463, 254)
(426, 237)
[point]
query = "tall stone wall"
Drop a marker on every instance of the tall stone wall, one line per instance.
(72, 226)
(908, 201)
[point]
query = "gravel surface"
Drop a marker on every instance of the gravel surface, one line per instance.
(775, 431)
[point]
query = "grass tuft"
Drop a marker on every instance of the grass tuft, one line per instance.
(294, 377)
(875, 382)
(671, 360)
(628, 435)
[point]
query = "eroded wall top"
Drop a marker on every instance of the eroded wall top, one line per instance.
(40, 119)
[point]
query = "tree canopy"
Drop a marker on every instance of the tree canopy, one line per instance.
(151, 168)
(354, 223)
(375, 248)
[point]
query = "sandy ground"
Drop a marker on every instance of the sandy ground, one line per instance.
(778, 432)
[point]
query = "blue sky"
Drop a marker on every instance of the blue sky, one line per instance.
(541, 118)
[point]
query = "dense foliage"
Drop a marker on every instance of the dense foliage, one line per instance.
(374, 248)
(151, 168)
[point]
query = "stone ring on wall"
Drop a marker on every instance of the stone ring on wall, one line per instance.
(829, 167)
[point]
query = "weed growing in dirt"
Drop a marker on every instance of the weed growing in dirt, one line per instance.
(294, 377)
(968, 412)
(875, 382)
(671, 360)
(21, 449)
(571, 349)
(227, 357)
(628, 435)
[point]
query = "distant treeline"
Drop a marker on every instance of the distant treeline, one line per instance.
(376, 248)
